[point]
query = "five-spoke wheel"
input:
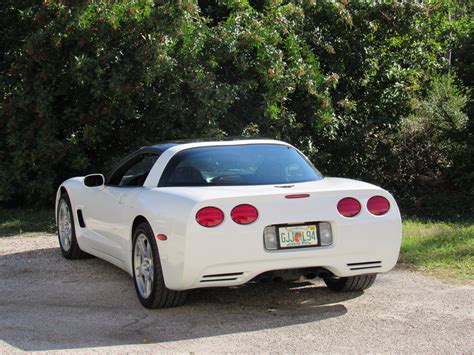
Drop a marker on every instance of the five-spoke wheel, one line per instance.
(64, 225)
(66, 230)
(143, 263)
(147, 273)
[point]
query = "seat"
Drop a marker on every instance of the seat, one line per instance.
(187, 175)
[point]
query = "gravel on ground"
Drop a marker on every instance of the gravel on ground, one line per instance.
(48, 303)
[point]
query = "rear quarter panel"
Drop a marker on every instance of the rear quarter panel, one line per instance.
(168, 214)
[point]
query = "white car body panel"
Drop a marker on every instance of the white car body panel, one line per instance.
(193, 251)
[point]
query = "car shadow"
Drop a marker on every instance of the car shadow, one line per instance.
(49, 303)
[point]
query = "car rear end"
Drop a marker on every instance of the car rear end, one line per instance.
(339, 227)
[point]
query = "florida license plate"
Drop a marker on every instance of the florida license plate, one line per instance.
(298, 236)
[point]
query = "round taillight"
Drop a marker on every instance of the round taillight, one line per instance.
(209, 216)
(378, 205)
(244, 214)
(348, 207)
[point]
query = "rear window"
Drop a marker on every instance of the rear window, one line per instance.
(253, 164)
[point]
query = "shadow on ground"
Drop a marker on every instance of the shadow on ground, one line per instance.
(49, 303)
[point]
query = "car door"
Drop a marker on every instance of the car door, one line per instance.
(105, 213)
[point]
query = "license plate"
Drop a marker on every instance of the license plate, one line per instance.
(298, 236)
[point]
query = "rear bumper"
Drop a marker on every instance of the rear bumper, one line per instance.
(233, 255)
(229, 275)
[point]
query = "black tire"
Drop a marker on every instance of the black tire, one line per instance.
(160, 296)
(74, 251)
(351, 283)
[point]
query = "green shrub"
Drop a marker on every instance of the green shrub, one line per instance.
(94, 80)
(434, 154)
(84, 82)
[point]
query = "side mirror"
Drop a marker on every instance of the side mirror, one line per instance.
(94, 180)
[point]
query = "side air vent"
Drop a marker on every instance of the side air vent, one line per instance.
(365, 265)
(221, 277)
(81, 219)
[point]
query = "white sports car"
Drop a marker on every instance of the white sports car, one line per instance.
(179, 216)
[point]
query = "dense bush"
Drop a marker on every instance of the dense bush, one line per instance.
(95, 80)
(83, 82)
(433, 151)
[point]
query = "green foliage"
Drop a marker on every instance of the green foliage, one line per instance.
(84, 82)
(463, 63)
(384, 55)
(96, 79)
(434, 153)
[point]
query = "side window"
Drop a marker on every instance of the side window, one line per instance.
(134, 172)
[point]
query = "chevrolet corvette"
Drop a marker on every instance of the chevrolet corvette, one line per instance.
(179, 216)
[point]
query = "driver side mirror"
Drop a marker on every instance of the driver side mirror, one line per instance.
(94, 180)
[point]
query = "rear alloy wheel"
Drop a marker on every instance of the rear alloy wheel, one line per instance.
(66, 230)
(147, 272)
(351, 283)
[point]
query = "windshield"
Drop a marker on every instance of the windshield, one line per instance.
(251, 164)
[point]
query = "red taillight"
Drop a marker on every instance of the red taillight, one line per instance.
(244, 214)
(378, 205)
(348, 207)
(209, 216)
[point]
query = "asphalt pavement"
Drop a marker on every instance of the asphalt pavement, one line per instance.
(48, 303)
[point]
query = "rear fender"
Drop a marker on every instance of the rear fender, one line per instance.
(167, 214)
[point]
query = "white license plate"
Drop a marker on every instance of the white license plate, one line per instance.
(298, 236)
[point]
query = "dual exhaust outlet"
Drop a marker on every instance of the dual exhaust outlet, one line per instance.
(292, 275)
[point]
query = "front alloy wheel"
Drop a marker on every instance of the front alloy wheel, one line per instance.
(64, 226)
(66, 230)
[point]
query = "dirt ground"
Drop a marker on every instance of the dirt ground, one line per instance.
(48, 303)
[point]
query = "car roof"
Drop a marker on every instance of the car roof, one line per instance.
(173, 147)
(237, 140)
